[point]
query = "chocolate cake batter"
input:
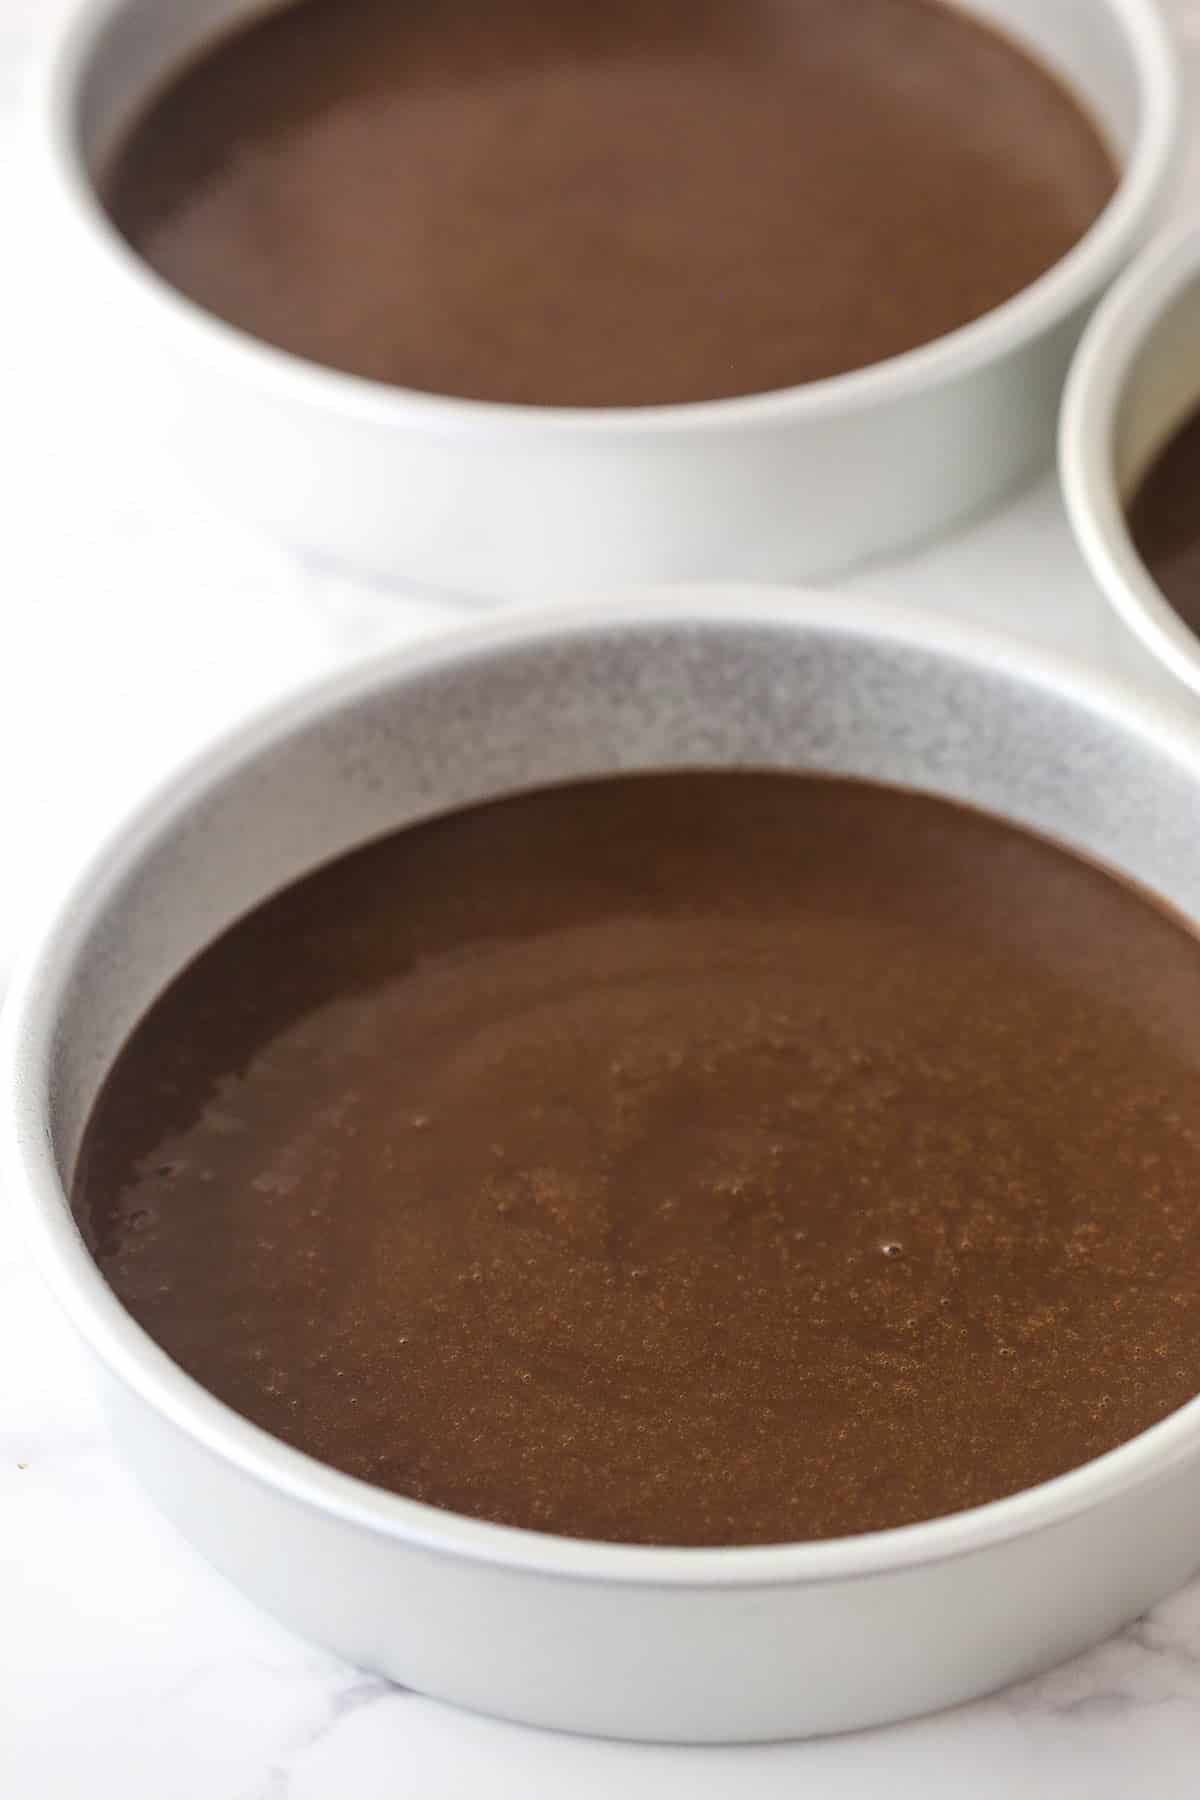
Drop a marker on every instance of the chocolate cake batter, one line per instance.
(685, 1160)
(571, 202)
(1165, 521)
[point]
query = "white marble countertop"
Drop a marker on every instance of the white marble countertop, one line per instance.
(132, 624)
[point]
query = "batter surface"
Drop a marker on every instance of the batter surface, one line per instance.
(682, 1160)
(641, 201)
(1165, 520)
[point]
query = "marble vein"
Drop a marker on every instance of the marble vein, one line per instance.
(358, 1692)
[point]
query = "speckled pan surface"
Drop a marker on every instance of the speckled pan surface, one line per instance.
(623, 1641)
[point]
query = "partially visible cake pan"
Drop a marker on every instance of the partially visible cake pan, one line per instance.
(1135, 382)
(715, 1645)
(494, 500)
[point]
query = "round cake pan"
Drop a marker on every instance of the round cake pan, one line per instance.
(489, 500)
(1135, 382)
(701, 1644)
